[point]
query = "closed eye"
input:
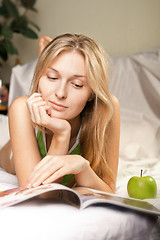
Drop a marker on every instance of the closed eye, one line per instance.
(77, 85)
(52, 78)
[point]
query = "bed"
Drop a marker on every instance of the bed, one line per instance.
(136, 83)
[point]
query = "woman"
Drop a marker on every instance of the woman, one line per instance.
(70, 111)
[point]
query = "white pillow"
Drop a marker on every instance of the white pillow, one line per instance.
(140, 135)
(4, 130)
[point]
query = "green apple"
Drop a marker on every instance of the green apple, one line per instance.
(142, 187)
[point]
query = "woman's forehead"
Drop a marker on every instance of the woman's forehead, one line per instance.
(68, 59)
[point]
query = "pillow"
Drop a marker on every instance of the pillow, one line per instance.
(140, 135)
(4, 130)
(139, 148)
(136, 82)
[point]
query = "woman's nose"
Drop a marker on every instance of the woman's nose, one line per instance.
(61, 90)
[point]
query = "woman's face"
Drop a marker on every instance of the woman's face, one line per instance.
(64, 85)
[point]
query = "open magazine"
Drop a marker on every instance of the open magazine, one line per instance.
(79, 197)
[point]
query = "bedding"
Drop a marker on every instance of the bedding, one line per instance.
(46, 220)
(136, 83)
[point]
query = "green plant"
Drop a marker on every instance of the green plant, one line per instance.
(14, 20)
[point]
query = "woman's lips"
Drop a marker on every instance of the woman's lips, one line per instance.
(56, 106)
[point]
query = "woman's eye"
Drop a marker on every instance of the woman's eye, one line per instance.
(52, 78)
(78, 85)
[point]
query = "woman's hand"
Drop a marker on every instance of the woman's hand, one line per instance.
(40, 114)
(52, 168)
(39, 110)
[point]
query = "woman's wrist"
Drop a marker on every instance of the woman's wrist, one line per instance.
(63, 134)
(60, 143)
(88, 178)
(81, 177)
(61, 129)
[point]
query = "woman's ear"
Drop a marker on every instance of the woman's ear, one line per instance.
(43, 42)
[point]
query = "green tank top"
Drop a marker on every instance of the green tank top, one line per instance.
(42, 150)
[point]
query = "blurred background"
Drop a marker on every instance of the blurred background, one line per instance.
(123, 27)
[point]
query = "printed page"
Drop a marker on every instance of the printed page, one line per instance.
(155, 202)
(92, 197)
(56, 191)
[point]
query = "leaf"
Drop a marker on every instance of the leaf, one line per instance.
(28, 3)
(14, 26)
(6, 32)
(3, 11)
(34, 25)
(3, 53)
(0, 28)
(29, 33)
(11, 8)
(19, 24)
(10, 48)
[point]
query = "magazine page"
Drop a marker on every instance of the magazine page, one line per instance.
(155, 202)
(91, 197)
(53, 191)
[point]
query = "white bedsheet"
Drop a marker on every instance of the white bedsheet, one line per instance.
(38, 221)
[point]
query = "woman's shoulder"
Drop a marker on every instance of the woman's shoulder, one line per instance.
(18, 104)
(115, 101)
(20, 101)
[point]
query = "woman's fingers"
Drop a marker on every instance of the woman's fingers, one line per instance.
(40, 113)
(43, 171)
(52, 168)
(36, 97)
(43, 114)
(38, 170)
(58, 174)
(38, 108)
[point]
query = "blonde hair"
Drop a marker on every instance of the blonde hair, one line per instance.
(98, 112)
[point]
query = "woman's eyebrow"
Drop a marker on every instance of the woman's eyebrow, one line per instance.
(79, 76)
(75, 75)
(54, 69)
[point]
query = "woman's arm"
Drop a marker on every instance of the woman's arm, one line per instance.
(24, 144)
(114, 137)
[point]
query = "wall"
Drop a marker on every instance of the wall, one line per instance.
(123, 27)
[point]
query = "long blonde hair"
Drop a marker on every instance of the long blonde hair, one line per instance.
(97, 113)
